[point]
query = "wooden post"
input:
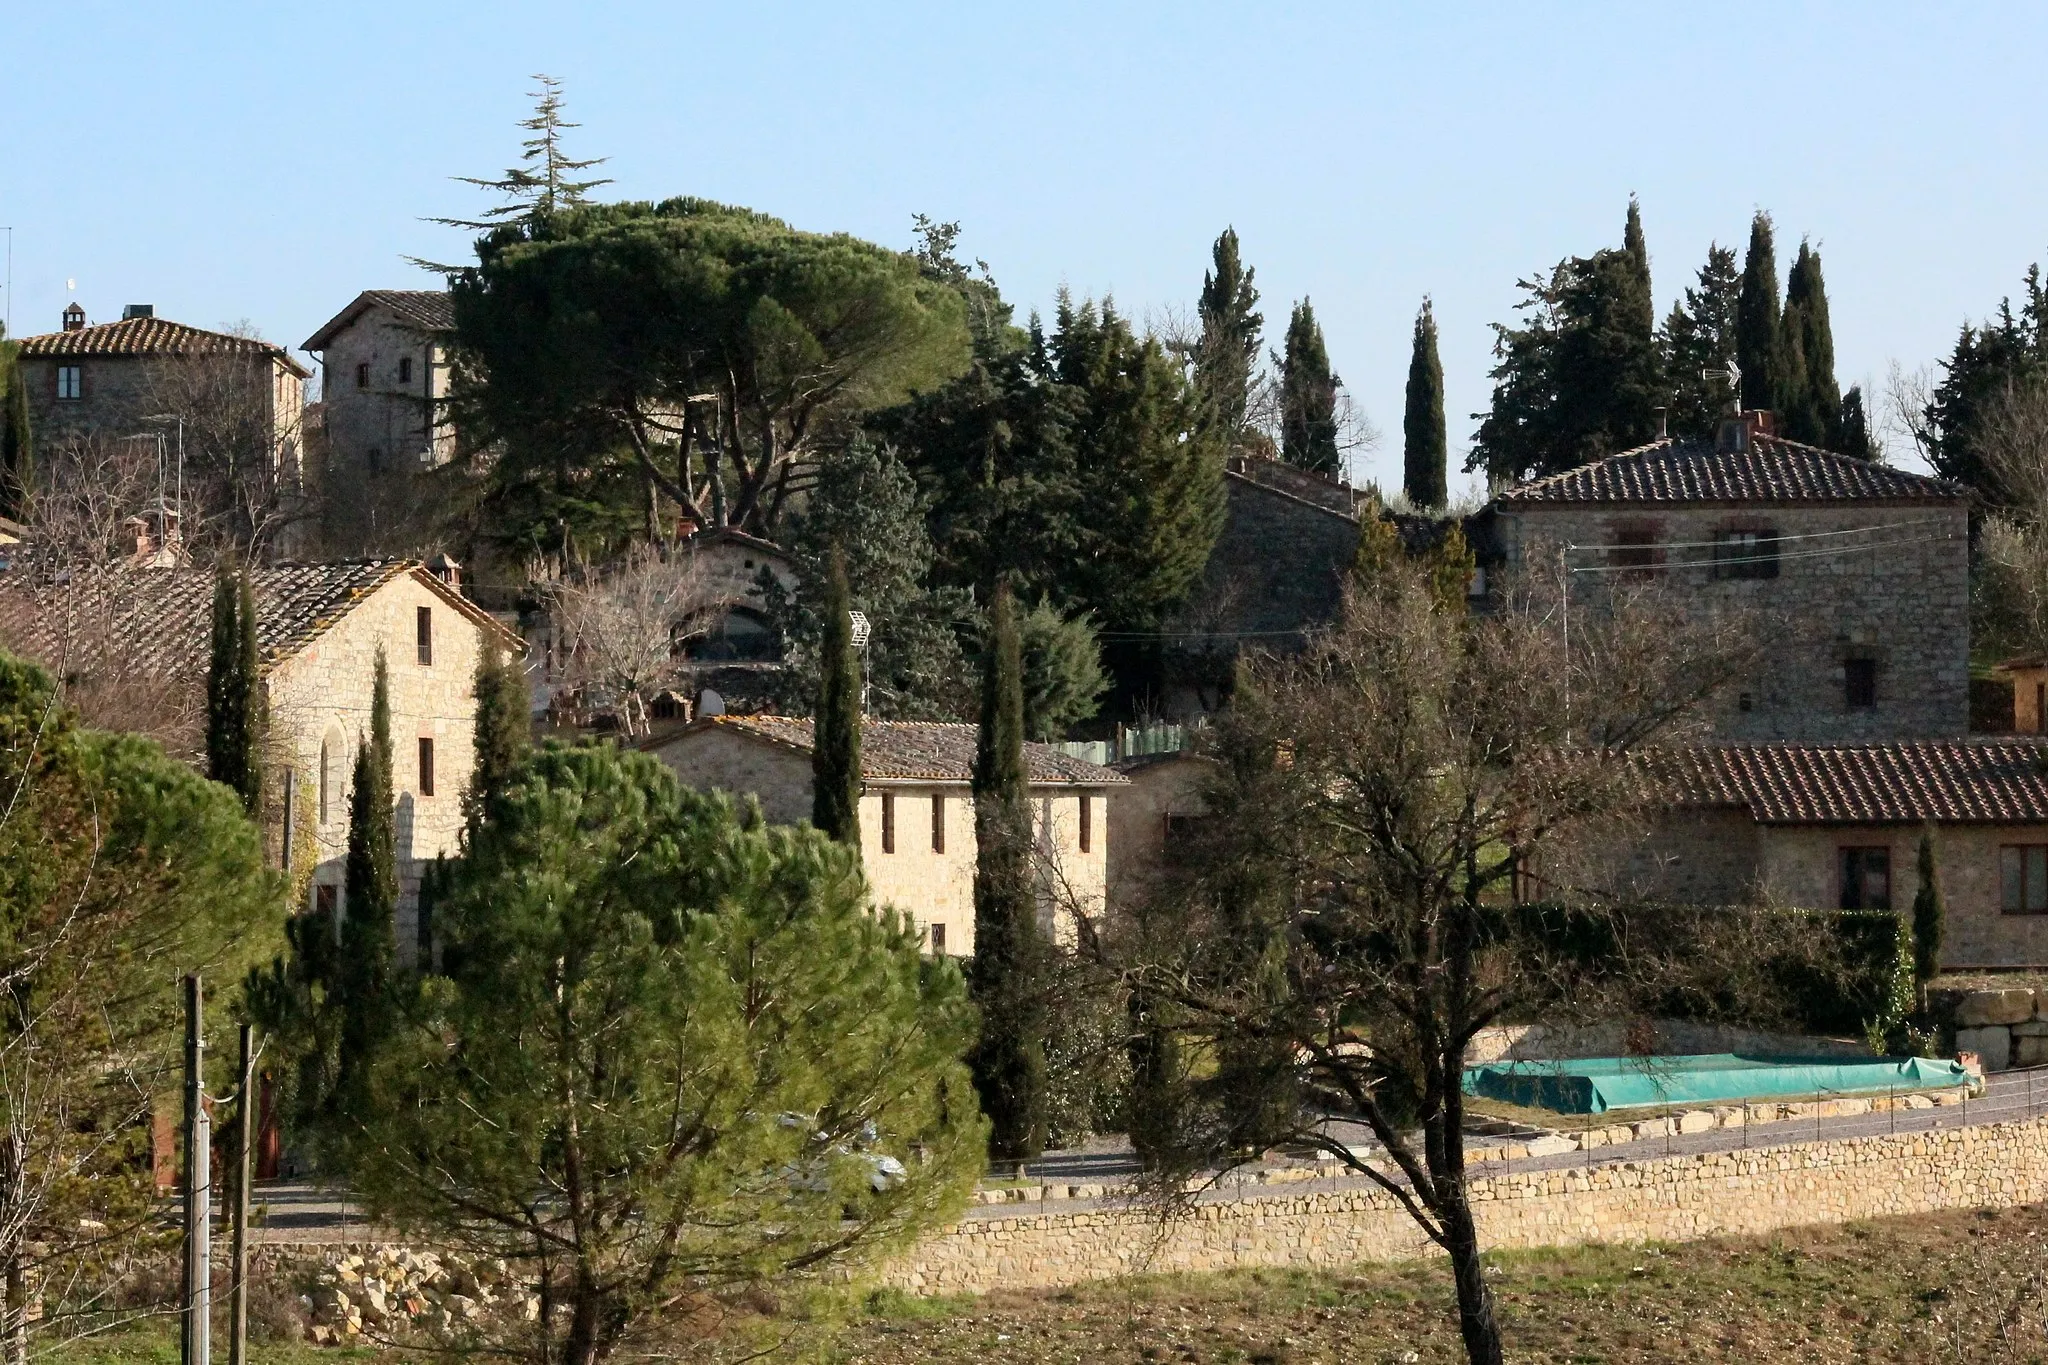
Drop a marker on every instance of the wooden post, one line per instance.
(195, 1340)
(238, 1320)
(291, 792)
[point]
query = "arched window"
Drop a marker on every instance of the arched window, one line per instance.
(331, 749)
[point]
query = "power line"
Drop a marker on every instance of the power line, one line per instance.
(1775, 539)
(1718, 562)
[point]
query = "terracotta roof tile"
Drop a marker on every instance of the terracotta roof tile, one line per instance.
(1772, 469)
(164, 617)
(918, 750)
(1947, 781)
(151, 336)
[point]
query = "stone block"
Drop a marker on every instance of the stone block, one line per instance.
(1981, 1008)
(2029, 1049)
(2033, 1028)
(1552, 1144)
(1992, 1044)
(1695, 1121)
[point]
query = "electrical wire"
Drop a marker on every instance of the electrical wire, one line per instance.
(1802, 535)
(1719, 562)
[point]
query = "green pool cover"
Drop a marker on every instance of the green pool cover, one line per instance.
(1593, 1085)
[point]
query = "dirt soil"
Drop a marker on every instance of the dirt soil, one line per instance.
(1934, 1288)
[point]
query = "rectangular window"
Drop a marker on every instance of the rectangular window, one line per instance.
(1087, 823)
(1866, 879)
(1746, 554)
(426, 767)
(1859, 682)
(938, 822)
(327, 901)
(423, 627)
(2023, 879)
(70, 381)
(938, 938)
(1634, 549)
(405, 369)
(363, 375)
(888, 822)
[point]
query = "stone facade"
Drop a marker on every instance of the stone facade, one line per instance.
(384, 388)
(1165, 791)
(1670, 1199)
(1848, 597)
(917, 835)
(319, 701)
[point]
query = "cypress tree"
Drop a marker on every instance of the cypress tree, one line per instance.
(1930, 918)
(234, 719)
(835, 745)
(1812, 402)
(1005, 975)
(369, 892)
(1308, 397)
(1855, 438)
(17, 457)
(1640, 316)
(1759, 341)
(1699, 341)
(1229, 344)
(1425, 449)
(504, 732)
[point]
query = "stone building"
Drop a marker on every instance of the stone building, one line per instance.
(383, 412)
(1838, 826)
(133, 647)
(114, 379)
(1149, 818)
(1857, 574)
(916, 811)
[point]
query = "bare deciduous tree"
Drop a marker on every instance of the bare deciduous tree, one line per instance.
(2010, 587)
(1356, 907)
(241, 426)
(621, 630)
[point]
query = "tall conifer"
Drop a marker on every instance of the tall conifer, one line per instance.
(17, 458)
(1812, 401)
(1007, 972)
(234, 719)
(1930, 919)
(1855, 439)
(1308, 397)
(504, 731)
(1228, 349)
(1759, 342)
(1425, 450)
(1698, 341)
(249, 671)
(835, 746)
(1641, 304)
(369, 927)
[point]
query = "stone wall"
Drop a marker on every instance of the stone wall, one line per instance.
(380, 436)
(1670, 1199)
(2005, 1028)
(320, 710)
(1161, 785)
(1904, 606)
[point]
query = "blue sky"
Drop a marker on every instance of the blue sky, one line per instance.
(235, 162)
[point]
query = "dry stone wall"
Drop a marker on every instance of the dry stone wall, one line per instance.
(1669, 1199)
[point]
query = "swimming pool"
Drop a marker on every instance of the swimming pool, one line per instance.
(1593, 1085)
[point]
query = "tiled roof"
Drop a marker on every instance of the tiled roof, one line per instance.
(152, 336)
(430, 310)
(164, 617)
(921, 750)
(1771, 469)
(1948, 781)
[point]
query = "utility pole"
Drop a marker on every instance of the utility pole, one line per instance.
(238, 1320)
(195, 1342)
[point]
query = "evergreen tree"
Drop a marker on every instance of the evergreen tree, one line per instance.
(1228, 349)
(1641, 299)
(1698, 343)
(1581, 380)
(1855, 438)
(234, 717)
(2005, 354)
(1308, 397)
(1425, 448)
(1812, 404)
(543, 182)
(1759, 338)
(835, 746)
(1063, 677)
(17, 455)
(1006, 975)
(1930, 918)
(504, 732)
(368, 955)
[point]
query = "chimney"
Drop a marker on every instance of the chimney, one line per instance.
(445, 569)
(1761, 421)
(1663, 423)
(138, 310)
(74, 319)
(1733, 435)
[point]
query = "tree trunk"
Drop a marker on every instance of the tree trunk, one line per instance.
(1476, 1322)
